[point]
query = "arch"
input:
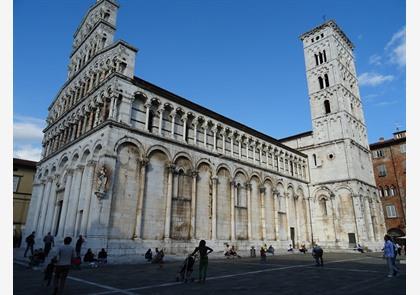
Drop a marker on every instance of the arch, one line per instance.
(85, 156)
(159, 148)
(202, 162)
(240, 170)
(182, 154)
(223, 166)
(63, 160)
(268, 179)
(255, 175)
(128, 139)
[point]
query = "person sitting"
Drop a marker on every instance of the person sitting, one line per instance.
(148, 255)
(37, 258)
(270, 250)
(290, 249)
(303, 249)
(90, 258)
(158, 259)
(102, 256)
(232, 252)
(359, 248)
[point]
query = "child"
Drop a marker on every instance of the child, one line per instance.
(263, 255)
(48, 271)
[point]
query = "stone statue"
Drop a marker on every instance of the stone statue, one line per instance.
(102, 180)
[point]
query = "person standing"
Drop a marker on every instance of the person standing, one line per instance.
(389, 254)
(30, 241)
(79, 243)
(62, 267)
(204, 260)
(48, 242)
(317, 253)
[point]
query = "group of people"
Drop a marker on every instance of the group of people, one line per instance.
(157, 258)
(231, 252)
(63, 258)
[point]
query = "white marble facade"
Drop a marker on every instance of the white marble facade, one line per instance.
(130, 166)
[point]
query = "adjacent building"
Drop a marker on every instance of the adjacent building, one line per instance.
(23, 177)
(389, 167)
(131, 165)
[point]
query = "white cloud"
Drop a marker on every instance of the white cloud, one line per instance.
(375, 60)
(27, 129)
(396, 48)
(386, 103)
(27, 137)
(374, 79)
(27, 152)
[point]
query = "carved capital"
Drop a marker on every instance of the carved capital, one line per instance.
(91, 163)
(248, 185)
(262, 189)
(194, 173)
(233, 183)
(144, 162)
(171, 167)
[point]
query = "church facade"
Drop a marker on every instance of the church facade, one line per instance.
(131, 166)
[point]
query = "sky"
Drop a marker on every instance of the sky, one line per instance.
(242, 59)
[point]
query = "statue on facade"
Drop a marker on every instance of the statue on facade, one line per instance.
(101, 182)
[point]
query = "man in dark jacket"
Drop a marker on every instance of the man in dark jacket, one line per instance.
(79, 243)
(48, 243)
(317, 254)
(30, 241)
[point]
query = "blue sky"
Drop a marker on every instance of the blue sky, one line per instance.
(242, 59)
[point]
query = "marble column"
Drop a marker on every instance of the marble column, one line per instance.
(51, 200)
(214, 208)
(42, 217)
(73, 201)
(171, 170)
(37, 195)
(172, 115)
(248, 202)
(195, 122)
(276, 214)
(193, 203)
(354, 203)
(368, 218)
(184, 128)
(262, 208)
(88, 195)
(286, 202)
(334, 215)
(214, 139)
(160, 111)
(232, 210)
(146, 123)
(65, 202)
(139, 212)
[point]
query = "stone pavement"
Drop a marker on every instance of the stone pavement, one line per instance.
(343, 273)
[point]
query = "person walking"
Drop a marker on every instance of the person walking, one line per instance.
(62, 267)
(204, 260)
(389, 254)
(263, 255)
(48, 243)
(30, 241)
(79, 243)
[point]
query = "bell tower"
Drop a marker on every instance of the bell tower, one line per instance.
(336, 107)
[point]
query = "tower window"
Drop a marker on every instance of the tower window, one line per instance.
(106, 16)
(321, 83)
(325, 55)
(322, 35)
(314, 158)
(316, 59)
(327, 106)
(320, 58)
(327, 82)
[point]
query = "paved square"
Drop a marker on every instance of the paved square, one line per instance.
(285, 274)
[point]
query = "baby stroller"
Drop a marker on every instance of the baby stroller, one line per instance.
(186, 270)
